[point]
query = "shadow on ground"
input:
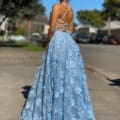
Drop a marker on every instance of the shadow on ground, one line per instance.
(114, 82)
(10, 44)
(25, 94)
(25, 91)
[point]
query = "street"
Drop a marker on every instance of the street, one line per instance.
(102, 64)
(18, 66)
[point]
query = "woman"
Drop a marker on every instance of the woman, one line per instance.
(60, 89)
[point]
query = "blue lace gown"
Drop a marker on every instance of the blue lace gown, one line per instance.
(60, 90)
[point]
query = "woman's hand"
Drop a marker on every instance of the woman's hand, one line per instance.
(47, 44)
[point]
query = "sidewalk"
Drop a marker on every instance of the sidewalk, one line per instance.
(105, 96)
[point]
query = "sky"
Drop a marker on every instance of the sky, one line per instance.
(76, 5)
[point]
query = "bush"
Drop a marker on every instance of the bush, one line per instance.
(31, 47)
(2, 32)
(19, 31)
(1, 38)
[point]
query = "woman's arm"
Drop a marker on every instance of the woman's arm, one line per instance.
(53, 20)
(71, 26)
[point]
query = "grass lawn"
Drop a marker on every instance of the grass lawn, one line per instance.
(32, 47)
(1, 38)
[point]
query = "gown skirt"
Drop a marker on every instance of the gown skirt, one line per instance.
(60, 89)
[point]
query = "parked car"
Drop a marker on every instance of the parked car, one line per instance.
(38, 39)
(111, 39)
(17, 38)
(81, 37)
(98, 37)
(14, 40)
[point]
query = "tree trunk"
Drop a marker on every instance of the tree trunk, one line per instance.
(1, 1)
(3, 20)
(29, 25)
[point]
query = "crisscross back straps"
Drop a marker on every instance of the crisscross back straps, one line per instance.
(65, 13)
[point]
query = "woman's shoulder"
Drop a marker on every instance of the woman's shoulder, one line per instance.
(56, 6)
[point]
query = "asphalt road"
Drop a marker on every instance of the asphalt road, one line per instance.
(103, 67)
(17, 69)
(105, 57)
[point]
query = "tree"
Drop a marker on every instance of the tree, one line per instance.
(21, 8)
(111, 8)
(1, 1)
(31, 10)
(90, 17)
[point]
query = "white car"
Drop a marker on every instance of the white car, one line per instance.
(18, 38)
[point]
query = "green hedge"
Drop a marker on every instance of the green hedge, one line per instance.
(31, 47)
(20, 31)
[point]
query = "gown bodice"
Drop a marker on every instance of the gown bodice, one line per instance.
(61, 24)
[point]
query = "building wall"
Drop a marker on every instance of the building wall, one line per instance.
(116, 32)
(87, 30)
(83, 30)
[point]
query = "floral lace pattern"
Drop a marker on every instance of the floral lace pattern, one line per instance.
(59, 91)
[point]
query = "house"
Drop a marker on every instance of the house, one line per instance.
(37, 25)
(40, 24)
(113, 27)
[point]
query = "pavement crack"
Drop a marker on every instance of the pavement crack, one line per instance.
(107, 74)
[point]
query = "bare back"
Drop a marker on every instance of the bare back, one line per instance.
(58, 16)
(68, 16)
